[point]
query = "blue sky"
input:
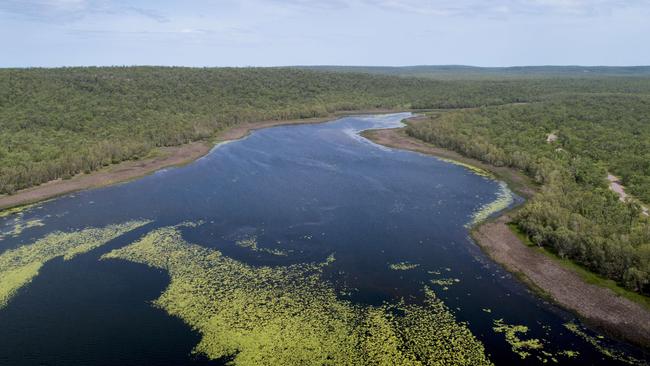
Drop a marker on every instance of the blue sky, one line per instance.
(335, 32)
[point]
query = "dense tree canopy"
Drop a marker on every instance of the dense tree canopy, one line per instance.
(59, 122)
(575, 214)
(56, 123)
(460, 72)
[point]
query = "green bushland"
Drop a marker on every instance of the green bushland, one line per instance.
(291, 316)
(586, 274)
(19, 266)
(574, 215)
(461, 72)
(56, 123)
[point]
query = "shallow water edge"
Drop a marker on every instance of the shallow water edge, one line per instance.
(556, 283)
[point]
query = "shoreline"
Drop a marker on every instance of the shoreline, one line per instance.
(596, 305)
(160, 158)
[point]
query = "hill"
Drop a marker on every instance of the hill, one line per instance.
(474, 72)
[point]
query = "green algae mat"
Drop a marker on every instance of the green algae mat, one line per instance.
(290, 316)
(301, 245)
(19, 266)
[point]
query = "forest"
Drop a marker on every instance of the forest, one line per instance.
(455, 72)
(575, 214)
(56, 123)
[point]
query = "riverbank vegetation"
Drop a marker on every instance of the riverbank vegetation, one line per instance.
(575, 214)
(56, 123)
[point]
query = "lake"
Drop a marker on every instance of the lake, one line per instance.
(393, 221)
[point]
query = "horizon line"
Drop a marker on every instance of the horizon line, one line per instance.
(332, 65)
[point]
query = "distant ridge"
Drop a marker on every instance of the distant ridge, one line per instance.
(462, 71)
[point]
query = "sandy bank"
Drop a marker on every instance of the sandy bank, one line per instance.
(598, 306)
(165, 157)
(397, 138)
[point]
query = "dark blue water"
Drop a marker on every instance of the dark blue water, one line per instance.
(310, 191)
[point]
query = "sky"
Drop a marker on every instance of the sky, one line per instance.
(51, 33)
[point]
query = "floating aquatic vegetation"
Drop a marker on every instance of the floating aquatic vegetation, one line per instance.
(568, 353)
(524, 348)
(14, 210)
(191, 224)
(18, 225)
(445, 281)
(474, 169)
(609, 352)
(519, 346)
(19, 266)
(403, 266)
(251, 243)
(504, 200)
(290, 315)
(15, 225)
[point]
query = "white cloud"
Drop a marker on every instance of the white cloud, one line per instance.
(66, 11)
(277, 32)
(504, 7)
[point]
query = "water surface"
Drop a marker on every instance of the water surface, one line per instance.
(305, 191)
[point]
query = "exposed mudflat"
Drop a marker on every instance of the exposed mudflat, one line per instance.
(128, 170)
(124, 171)
(301, 244)
(600, 306)
(398, 139)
